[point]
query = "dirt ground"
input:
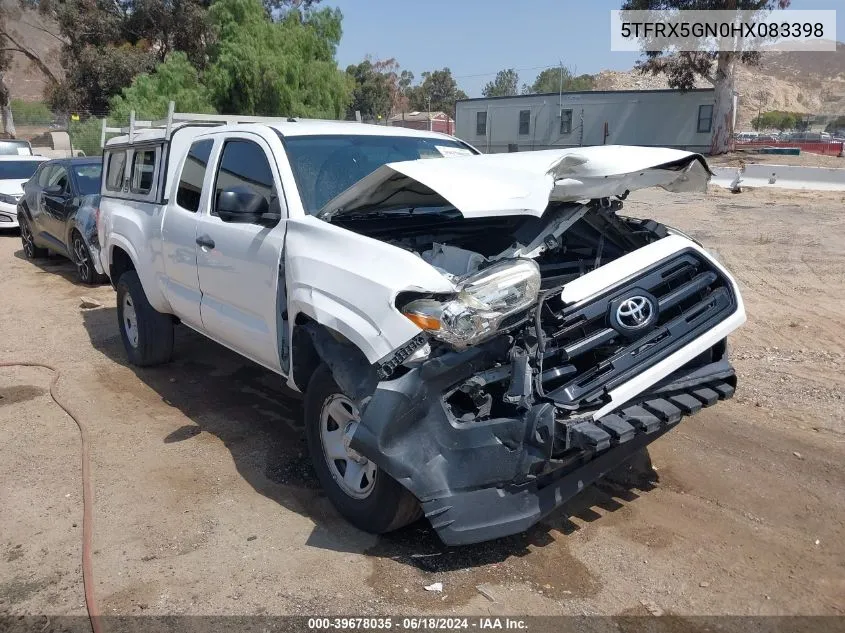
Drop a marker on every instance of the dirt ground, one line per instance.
(804, 159)
(206, 503)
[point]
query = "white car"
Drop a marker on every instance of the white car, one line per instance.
(477, 337)
(15, 171)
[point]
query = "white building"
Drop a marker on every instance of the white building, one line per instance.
(664, 118)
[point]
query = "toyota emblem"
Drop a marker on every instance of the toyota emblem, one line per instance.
(635, 313)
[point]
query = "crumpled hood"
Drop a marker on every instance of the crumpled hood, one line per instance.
(523, 182)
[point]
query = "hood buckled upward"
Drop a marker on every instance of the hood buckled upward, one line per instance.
(523, 182)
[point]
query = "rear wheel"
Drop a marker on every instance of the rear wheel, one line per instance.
(84, 262)
(30, 250)
(363, 493)
(147, 334)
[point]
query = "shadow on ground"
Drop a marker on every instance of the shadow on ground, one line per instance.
(55, 264)
(260, 421)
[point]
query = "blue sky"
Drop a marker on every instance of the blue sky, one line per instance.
(476, 38)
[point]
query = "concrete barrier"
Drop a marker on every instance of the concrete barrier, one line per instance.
(782, 176)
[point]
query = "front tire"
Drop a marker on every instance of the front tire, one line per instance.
(30, 250)
(147, 334)
(84, 262)
(364, 494)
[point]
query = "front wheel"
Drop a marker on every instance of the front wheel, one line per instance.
(364, 494)
(147, 334)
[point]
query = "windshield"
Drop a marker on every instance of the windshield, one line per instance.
(324, 166)
(15, 148)
(88, 178)
(17, 169)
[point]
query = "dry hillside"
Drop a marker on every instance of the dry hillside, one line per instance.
(811, 82)
(33, 31)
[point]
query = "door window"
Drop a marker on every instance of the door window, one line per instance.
(193, 173)
(55, 175)
(243, 164)
(44, 175)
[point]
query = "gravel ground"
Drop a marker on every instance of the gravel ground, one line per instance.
(206, 503)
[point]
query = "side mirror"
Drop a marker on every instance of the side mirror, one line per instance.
(23, 185)
(242, 204)
(54, 190)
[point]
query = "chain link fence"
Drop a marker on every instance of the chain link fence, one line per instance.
(57, 134)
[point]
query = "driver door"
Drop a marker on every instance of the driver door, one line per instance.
(55, 203)
(239, 263)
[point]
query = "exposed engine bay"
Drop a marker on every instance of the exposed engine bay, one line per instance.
(546, 352)
(568, 241)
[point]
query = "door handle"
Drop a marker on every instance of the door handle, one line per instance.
(205, 241)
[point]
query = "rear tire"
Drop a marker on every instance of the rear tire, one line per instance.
(84, 262)
(30, 250)
(147, 334)
(376, 503)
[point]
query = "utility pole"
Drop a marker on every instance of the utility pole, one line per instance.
(560, 89)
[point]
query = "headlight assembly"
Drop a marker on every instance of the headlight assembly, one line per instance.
(8, 199)
(484, 299)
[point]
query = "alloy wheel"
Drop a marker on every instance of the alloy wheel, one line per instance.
(27, 240)
(83, 261)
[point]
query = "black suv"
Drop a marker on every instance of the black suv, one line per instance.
(58, 212)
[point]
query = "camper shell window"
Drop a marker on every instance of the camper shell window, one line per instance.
(140, 180)
(115, 170)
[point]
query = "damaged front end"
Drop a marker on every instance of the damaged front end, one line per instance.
(493, 437)
(572, 340)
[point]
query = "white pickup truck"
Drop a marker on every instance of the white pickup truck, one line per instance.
(477, 337)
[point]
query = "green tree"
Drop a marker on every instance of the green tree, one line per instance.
(835, 125)
(506, 84)
(560, 78)
(777, 119)
(276, 68)
(105, 43)
(174, 80)
(86, 135)
(377, 88)
(437, 92)
(718, 67)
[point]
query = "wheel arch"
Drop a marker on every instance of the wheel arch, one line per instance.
(314, 344)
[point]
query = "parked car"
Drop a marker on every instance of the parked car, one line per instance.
(14, 172)
(15, 147)
(58, 212)
(477, 337)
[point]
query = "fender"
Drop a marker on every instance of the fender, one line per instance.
(145, 273)
(349, 283)
(344, 319)
(85, 222)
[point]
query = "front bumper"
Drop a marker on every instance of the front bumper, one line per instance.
(479, 515)
(481, 480)
(8, 216)
(492, 438)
